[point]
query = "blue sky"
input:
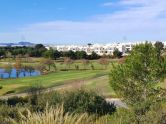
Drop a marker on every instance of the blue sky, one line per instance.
(82, 21)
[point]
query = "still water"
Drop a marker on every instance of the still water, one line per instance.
(17, 74)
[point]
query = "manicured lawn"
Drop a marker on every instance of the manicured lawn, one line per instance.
(95, 79)
(52, 79)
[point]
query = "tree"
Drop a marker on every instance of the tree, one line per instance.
(70, 54)
(57, 54)
(89, 44)
(135, 80)
(2, 53)
(68, 61)
(27, 57)
(40, 46)
(18, 66)
(48, 62)
(92, 66)
(8, 69)
(117, 53)
(49, 54)
(93, 56)
(159, 48)
(8, 55)
(81, 55)
(29, 68)
(104, 62)
(85, 63)
(42, 68)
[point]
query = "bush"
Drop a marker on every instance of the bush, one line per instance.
(78, 101)
(17, 100)
(1, 87)
(7, 113)
(35, 89)
(39, 102)
(2, 101)
(9, 92)
(82, 101)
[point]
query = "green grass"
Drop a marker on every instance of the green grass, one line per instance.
(48, 80)
(60, 65)
(93, 77)
(101, 85)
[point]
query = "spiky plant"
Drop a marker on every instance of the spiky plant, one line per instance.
(57, 116)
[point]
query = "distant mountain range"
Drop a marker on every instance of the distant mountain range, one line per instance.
(17, 44)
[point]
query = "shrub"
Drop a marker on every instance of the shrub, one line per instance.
(2, 101)
(1, 87)
(39, 102)
(17, 100)
(78, 101)
(64, 70)
(9, 92)
(7, 112)
(35, 89)
(81, 101)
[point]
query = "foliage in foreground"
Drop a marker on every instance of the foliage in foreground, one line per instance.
(77, 101)
(57, 116)
(136, 80)
(74, 103)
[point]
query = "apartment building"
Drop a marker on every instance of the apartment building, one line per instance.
(100, 49)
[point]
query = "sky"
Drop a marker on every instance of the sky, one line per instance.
(82, 21)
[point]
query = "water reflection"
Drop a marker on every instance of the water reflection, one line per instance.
(17, 73)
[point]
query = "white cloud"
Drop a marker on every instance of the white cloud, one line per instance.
(107, 4)
(139, 20)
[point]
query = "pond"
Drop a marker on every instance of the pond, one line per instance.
(13, 73)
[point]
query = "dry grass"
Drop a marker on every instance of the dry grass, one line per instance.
(57, 116)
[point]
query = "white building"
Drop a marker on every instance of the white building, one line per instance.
(100, 49)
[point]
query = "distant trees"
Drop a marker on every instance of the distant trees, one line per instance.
(8, 69)
(104, 62)
(117, 53)
(81, 55)
(85, 63)
(40, 47)
(68, 61)
(8, 55)
(54, 54)
(18, 66)
(27, 57)
(2, 53)
(36, 51)
(40, 51)
(48, 63)
(49, 54)
(28, 68)
(93, 56)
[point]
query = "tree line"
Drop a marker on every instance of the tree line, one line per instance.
(40, 51)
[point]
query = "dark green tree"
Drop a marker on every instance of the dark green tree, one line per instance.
(117, 53)
(136, 80)
(159, 48)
